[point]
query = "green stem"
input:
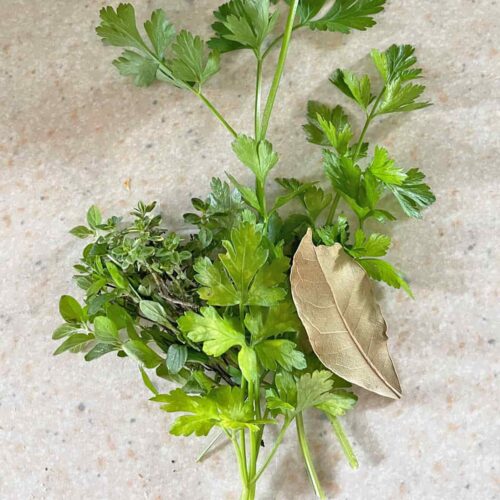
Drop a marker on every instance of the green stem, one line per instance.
(258, 94)
(249, 492)
(306, 453)
(369, 118)
(255, 436)
(215, 112)
(198, 93)
(279, 68)
(344, 442)
(243, 446)
(333, 208)
(269, 457)
(240, 456)
(209, 446)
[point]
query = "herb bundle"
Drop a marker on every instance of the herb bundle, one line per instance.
(250, 339)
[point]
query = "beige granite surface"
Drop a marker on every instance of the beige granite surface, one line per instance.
(73, 132)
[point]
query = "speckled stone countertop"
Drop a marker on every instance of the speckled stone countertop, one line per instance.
(73, 132)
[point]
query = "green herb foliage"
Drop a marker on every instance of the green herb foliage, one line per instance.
(212, 311)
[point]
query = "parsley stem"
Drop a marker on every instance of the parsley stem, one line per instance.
(269, 457)
(209, 447)
(258, 94)
(287, 35)
(240, 455)
(198, 92)
(333, 209)
(369, 118)
(306, 452)
(344, 441)
(216, 113)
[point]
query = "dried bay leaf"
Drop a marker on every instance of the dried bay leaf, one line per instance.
(335, 302)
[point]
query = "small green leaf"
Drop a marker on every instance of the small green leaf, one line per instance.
(64, 331)
(413, 194)
(160, 32)
(380, 270)
(396, 63)
(99, 350)
(191, 64)
(217, 333)
(242, 24)
(258, 156)
(142, 68)
(70, 309)
(376, 245)
(119, 279)
(338, 403)
(94, 217)
(353, 87)
(272, 353)
(247, 193)
(119, 27)
(76, 340)
(398, 98)
(313, 389)
(81, 232)
(244, 255)
(345, 15)
(105, 330)
(335, 117)
(154, 312)
(176, 358)
(147, 381)
(217, 289)
(383, 168)
(139, 351)
(280, 319)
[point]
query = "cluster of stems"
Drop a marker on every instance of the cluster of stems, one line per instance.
(247, 444)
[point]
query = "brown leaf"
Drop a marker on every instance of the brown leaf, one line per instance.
(335, 301)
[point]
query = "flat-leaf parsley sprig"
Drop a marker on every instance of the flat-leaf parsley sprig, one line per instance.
(217, 310)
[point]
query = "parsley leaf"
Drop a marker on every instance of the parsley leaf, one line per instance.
(258, 156)
(396, 63)
(190, 63)
(398, 98)
(358, 89)
(265, 289)
(383, 168)
(313, 388)
(335, 118)
(244, 255)
(217, 333)
(376, 245)
(189, 66)
(119, 27)
(345, 15)
(143, 69)
(242, 24)
(217, 289)
(308, 9)
(338, 403)
(315, 201)
(413, 194)
(272, 353)
(160, 32)
(380, 270)
(222, 407)
(335, 233)
(271, 322)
